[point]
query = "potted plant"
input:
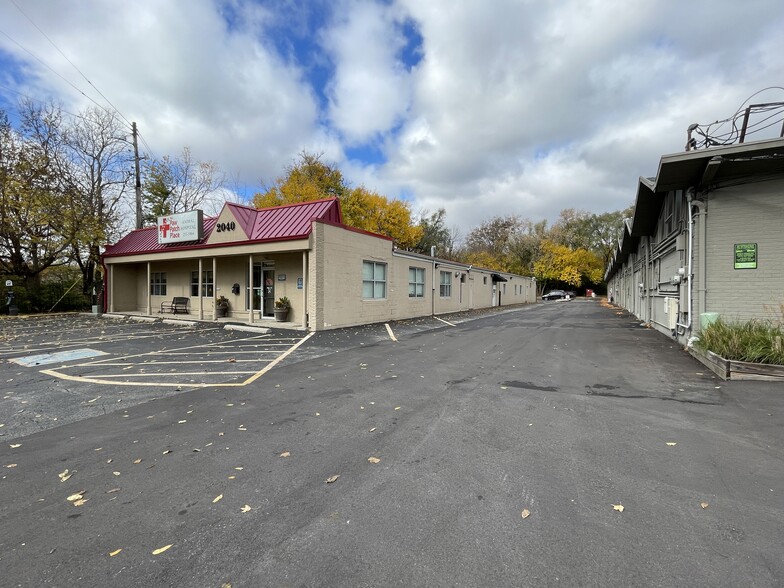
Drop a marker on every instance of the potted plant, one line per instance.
(282, 306)
(221, 306)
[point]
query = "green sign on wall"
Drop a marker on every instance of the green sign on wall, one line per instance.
(745, 256)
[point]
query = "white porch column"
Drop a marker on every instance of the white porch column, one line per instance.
(149, 295)
(304, 289)
(250, 289)
(199, 286)
(214, 288)
(110, 292)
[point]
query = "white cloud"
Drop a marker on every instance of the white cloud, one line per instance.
(182, 74)
(531, 108)
(370, 90)
(515, 107)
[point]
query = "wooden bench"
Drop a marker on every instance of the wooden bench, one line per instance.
(179, 304)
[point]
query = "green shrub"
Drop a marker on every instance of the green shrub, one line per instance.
(755, 341)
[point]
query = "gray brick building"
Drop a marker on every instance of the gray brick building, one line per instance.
(706, 238)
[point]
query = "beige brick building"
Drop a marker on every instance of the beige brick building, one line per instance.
(706, 239)
(333, 275)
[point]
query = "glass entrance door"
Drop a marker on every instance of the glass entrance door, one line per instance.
(268, 309)
(262, 289)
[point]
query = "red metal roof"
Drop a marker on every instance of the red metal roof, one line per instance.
(279, 223)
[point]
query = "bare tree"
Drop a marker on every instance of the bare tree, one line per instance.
(178, 184)
(99, 170)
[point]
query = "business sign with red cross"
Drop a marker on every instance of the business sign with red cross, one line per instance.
(176, 228)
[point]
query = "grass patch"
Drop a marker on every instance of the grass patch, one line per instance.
(755, 341)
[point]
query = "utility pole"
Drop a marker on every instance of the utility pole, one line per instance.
(138, 176)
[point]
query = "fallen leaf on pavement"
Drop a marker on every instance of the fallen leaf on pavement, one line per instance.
(231, 360)
(373, 459)
(182, 421)
(137, 461)
(526, 513)
(116, 473)
(115, 552)
(77, 496)
(162, 549)
(245, 508)
(373, 429)
(332, 479)
(239, 468)
(217, 498)
(704, 505)
(15, 445)
(285, 454)
(671, 443)
(62, 475)
(13, 465)
(318, 414)
(113, 490)
(80, 502)
(618, 507)
(167, 451)
(397, 408)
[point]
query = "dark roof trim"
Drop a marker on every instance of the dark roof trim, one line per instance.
(498, 278)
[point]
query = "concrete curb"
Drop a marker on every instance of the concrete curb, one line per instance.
(144, 319)
(179, 323)
(247, 329)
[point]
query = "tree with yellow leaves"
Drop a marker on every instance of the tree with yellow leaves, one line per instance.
(559, 263)
(312, 179)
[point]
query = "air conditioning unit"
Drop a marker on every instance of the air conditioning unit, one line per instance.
(671, 312)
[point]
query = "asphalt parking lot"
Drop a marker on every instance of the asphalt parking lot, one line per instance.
(63, 368)
(559, 444)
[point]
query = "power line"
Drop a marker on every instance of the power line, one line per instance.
(109, 102)
(39, 60)
(40, 101)
(69, 61)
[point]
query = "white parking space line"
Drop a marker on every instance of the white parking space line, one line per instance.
(443, 321)
(140, 367)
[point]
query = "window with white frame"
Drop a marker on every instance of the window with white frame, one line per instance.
(416, 282)
(206, 284)
(158, 284)
(445, 285)
(374, 280)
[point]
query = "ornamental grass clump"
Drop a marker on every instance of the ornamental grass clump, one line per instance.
(754, 341)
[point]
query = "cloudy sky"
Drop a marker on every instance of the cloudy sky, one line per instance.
(483, 107)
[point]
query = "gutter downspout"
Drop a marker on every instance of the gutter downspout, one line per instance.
(690, 252)
(700, 215)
